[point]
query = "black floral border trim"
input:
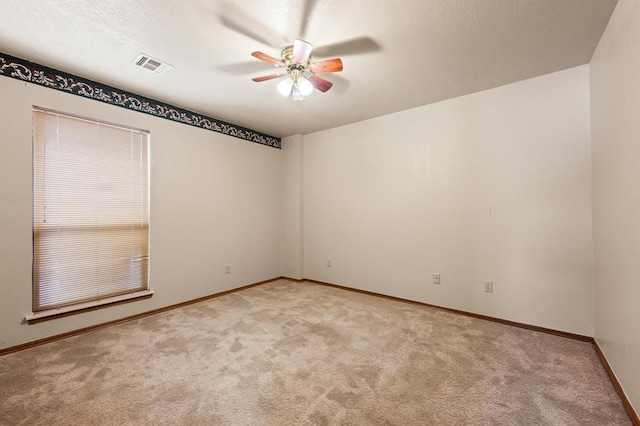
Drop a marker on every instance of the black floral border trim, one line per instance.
(21, 69)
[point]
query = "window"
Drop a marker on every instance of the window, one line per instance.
(90, 213)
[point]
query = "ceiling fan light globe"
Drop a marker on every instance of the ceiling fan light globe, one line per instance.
(285, 86)
(305, 86)
(295, 94)
(301, 51)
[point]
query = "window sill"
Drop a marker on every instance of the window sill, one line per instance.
(87, 306)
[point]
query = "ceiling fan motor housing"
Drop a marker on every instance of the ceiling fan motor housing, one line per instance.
(294, 69)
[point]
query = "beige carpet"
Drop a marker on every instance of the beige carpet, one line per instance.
(289, 353)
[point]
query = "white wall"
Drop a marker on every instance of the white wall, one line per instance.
(214, 200)
(489, 186)
(292, 218)
(615, 124)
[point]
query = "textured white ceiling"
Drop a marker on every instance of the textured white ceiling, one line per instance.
(397, 54)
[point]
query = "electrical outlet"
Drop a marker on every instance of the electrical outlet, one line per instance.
(328, 263)
(227, 269)
(436, 278)
(488, 286)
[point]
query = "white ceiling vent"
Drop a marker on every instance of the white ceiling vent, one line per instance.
(152, 64)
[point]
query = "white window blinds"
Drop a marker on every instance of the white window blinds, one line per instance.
(91, 210)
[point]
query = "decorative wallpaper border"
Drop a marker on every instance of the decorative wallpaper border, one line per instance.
(21, 69)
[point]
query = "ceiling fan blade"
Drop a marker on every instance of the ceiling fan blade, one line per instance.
(243, 23)
(330, 65)
(308, 8)
(319, 83)
(267, 77)
(267, 58)
(244, 68)
(340, 84)
(301, 51)
(353, 46)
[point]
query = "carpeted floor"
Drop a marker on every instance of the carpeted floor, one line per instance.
(289, 353)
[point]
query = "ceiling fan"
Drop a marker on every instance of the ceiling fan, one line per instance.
(299, 74)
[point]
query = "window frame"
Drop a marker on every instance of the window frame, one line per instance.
(101, 300)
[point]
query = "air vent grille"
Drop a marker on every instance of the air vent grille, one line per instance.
(151, 64)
